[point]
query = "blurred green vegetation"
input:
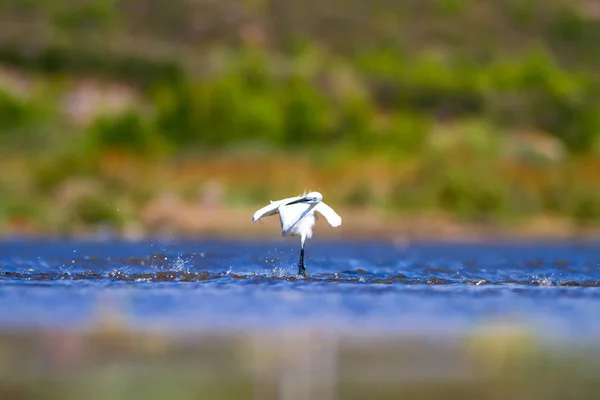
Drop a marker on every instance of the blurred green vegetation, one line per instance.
(487, 110)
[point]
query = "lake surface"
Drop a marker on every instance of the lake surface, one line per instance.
(354, 287)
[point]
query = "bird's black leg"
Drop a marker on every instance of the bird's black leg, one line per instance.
(301, 269)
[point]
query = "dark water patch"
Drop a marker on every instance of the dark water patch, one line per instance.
(136, 273)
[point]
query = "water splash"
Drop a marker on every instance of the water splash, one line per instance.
(180, 264)
(281, 272)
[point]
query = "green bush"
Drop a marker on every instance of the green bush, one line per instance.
(30, 211)
(571, 198)
(29, 123)
(15, 113)
(48, 171)
(360, 195)
(81, 58)
(93, 210)
(534, 91)
(126, 131)
(86, 16)
(466, 194)
(217, 113)
(531, 90)
(307, 114)
(584, 205)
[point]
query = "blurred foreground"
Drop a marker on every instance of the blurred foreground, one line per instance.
(110, 362)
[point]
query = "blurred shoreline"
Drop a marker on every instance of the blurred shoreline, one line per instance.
(197, 221)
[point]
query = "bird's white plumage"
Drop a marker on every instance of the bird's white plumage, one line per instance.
(331, 216)
(299, 218)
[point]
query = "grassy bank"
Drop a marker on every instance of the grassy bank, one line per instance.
(218, 193)
(73, 169)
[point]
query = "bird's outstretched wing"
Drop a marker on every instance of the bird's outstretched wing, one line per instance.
(272, 208)
(266, 211)
(331, 216)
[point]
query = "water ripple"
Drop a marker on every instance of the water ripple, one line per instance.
(194, 268)
(352, 285)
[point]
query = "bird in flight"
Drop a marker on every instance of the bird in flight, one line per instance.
(297, 217)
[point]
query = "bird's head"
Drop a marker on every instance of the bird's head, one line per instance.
(310, 198)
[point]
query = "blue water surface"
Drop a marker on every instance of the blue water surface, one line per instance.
(354, 287)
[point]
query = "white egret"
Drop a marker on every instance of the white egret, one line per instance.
(297, 217)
